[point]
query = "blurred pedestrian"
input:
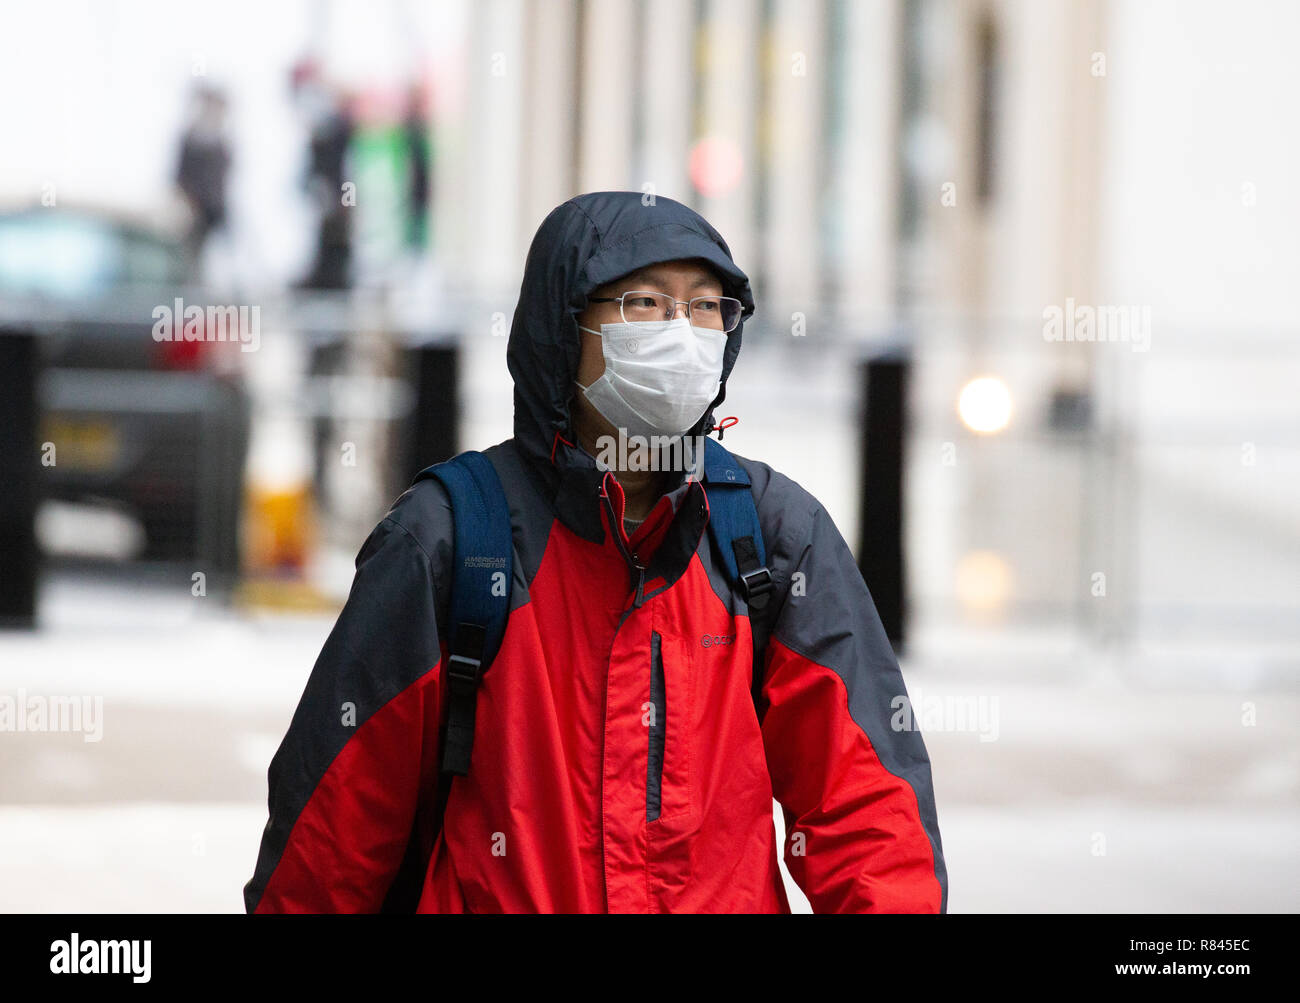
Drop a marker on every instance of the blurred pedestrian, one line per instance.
(331, 128)
(419, 180)
(202, 167)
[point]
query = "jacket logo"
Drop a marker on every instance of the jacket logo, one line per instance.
(713, 640)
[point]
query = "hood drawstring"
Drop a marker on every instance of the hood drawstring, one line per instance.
(556, 442)
(726, 423)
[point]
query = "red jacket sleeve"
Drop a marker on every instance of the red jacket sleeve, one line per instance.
(360, 758)
(862, 829)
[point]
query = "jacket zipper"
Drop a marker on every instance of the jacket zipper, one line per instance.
(658, 725)
(635, 567)
(639, 569)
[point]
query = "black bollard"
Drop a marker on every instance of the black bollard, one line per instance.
(434, 432)
(880, 548)
(19, 459)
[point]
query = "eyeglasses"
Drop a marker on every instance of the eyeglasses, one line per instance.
(642, 305)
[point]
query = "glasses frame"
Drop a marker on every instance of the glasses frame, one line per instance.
(688, 303)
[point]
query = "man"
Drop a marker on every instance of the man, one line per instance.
(202, 168)
(330, 120)
(619, 762)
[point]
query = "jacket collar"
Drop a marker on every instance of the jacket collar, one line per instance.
(574, 485)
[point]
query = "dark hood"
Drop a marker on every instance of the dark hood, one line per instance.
(584, 243)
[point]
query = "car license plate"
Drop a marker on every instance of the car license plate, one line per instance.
(88, 445)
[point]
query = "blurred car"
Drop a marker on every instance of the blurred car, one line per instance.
(155, 428)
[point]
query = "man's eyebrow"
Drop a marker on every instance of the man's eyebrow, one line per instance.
(706, 279)
(643, 275)
(656, 276)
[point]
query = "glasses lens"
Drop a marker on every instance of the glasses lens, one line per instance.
(641, 306)
(720, 312)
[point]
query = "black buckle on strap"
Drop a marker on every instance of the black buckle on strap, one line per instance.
(757, 582)
(465, 665)
(463, 671)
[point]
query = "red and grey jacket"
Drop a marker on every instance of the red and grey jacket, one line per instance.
(578, 799)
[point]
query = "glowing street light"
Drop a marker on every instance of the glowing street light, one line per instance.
(985, 405)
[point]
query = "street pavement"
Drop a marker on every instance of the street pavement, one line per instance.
(1058, 789)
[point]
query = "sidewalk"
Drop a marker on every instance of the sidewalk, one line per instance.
(1092, 797)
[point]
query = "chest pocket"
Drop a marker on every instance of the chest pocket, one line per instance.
(671, 725)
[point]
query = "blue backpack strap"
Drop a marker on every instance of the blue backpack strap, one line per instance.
(738, 539)
(480, 592)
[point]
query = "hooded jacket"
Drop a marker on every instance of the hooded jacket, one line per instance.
(620, 763)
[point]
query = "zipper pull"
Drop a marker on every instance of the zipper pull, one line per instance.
(639, 597)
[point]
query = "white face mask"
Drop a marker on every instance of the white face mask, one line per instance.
(660, 376)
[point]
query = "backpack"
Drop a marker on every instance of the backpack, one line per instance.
(482, 571)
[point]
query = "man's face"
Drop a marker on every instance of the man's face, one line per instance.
(680, 279)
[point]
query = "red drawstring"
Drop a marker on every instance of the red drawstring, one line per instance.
(556, 441)
(726, 423)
